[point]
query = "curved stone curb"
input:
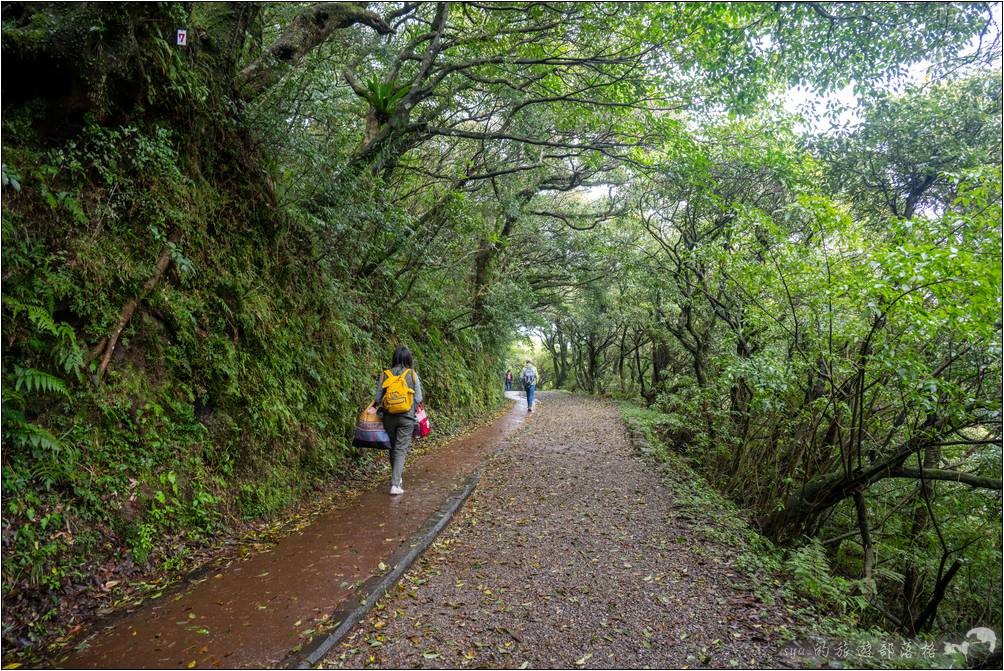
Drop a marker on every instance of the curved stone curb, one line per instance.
(352, 612)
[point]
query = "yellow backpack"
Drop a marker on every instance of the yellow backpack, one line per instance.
(398, 397)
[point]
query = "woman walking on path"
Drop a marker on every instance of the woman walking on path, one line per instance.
(508, 380)
(398, 393)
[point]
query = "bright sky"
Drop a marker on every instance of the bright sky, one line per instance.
(802, 101)
(807, 103)
(811, 106)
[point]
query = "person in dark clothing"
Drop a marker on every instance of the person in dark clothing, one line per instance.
(508, 380)
(399, 426)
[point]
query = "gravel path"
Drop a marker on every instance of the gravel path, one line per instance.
(568, 555)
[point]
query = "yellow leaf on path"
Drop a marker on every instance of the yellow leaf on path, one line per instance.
(191, 664)
(382, 566)
(581, 661)
(15, 665)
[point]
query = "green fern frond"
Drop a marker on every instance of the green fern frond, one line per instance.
(886, 573)
(42, 319)
(65, 351)
(33, 380)
(13, 404)
(16, 306)
(36, 436)
(49, 472)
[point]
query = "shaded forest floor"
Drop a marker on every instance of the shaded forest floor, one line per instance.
(572, 552)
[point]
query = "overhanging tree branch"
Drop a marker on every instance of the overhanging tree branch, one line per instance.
(947, 475)
(308, 30)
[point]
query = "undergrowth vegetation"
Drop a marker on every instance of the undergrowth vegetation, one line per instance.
(830, 610)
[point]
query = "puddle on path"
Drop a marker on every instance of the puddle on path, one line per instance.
(254, 612)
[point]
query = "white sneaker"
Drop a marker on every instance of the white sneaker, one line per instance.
(395, 490)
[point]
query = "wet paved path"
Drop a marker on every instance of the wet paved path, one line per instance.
(254, 612)
(571, 553)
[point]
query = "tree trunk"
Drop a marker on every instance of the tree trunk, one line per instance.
(911, 575)
(660, 359)
(482, 260)
(866, 539)
(926, 618)
(620, 361)
(563, 357)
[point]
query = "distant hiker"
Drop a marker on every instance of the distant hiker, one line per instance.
(529, 383)
(398, 393)
(508, 380)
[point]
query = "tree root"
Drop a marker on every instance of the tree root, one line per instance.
(107, 344)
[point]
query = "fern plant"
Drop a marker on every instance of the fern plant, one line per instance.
(812, 578)
(29, 382)
(18, 428)
(38, 381)
(64, 349)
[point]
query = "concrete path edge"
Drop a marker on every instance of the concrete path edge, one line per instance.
(353, 611)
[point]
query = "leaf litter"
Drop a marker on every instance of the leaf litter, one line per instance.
(580, 536)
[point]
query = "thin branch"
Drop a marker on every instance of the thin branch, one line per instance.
(946, 475)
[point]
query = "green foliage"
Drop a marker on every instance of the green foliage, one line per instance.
(384, 97)
(31, 380)
(797, 342)
(902, 157)
(826, 603)
(233, 389)
(811, 577)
